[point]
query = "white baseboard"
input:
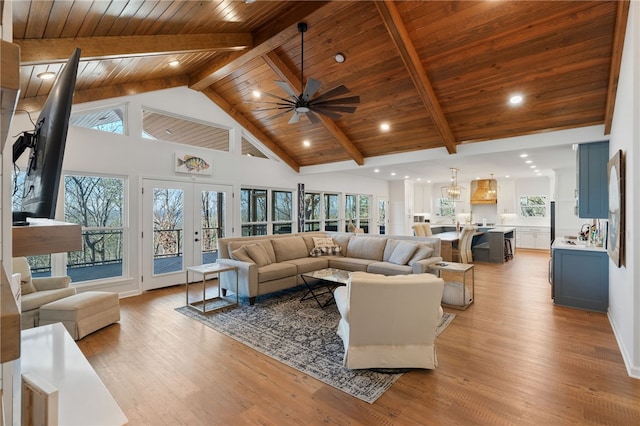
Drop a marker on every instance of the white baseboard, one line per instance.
(632, 370)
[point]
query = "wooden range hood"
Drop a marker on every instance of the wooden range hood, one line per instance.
(484, 191)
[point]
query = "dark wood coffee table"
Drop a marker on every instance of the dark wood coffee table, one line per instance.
(321, 282)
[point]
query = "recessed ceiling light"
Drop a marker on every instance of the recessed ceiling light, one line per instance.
(506, 176)
(529, 161)
(532, 166)
(524, 155)
(376, 170)
(306, 143)
(385, 127)
(419, 179)
(515, 99)
(428, 181)
(174, 63)
(47, 75)
(406, 177)
(340, 58)
(393, 173)
(256, 94)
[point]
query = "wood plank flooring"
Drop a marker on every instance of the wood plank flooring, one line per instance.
(512, 358)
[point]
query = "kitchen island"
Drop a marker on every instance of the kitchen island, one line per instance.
(488, 244)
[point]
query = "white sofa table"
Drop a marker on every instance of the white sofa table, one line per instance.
(50, 353)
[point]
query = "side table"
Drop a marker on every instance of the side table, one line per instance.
(220, 301)
(459, 268)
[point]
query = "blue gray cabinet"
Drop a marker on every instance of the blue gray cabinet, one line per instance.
(581, 279)
(593, 190)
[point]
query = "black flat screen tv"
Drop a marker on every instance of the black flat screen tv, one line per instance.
(47, 143)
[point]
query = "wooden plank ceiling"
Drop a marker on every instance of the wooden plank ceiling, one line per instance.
(439, 73)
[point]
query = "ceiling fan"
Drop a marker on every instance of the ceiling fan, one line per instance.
(302, 104)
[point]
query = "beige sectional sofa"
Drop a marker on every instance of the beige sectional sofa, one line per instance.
(275, 262)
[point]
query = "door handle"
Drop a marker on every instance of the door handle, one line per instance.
(196, 240)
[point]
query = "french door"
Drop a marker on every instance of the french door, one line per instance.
(181, 224)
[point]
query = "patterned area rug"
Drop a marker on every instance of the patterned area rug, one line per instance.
(303, 336)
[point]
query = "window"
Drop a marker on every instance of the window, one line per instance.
(533, 206)
(254, 208)
(281, 212)
(253, 211)
(357, 211)
(97, 203)
(170, 128)
(312, 209)
(445, 207)
(331, 212)
(110, 120)
(249, 149)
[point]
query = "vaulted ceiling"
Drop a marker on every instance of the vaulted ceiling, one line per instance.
(440, 73)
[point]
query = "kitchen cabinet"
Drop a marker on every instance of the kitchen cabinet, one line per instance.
(580, 277)
(533, 238)
(593, 190)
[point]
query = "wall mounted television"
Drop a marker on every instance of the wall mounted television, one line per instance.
(47, 143)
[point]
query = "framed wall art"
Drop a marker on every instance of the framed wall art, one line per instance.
(616, 225)
(192, 164)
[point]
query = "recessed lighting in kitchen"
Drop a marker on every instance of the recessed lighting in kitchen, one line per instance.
(532, 166)
(524, 155)
(406, 177)
(376, 170)
(393, 173)
(529, 161)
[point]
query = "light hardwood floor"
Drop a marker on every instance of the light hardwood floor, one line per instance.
(512, 358)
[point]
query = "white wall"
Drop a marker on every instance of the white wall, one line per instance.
(624, 282)
(136, 158)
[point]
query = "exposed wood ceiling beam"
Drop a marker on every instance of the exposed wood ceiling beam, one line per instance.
(244, 122)
(395, 26)
(265, 41)
(50, 50)
(622, 14)
(287, 75)
(35, 103)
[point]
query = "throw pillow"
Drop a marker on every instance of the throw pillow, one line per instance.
(423, 252)
(325, 251)
(241, 255)
(26, 287)
(403, 252)
(323, 242)
(258, 254)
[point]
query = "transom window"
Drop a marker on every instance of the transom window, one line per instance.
(112, 120)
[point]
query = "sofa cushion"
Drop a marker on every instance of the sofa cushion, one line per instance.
(266, 244)
(258, 254)
(39, 298)
(325, 251)
(308, 264)
(343, 242)
(349, 263)
(388, 268)
(423, 252)
(288, 248)
(403, 252)
(276, 271)
(366, 248)
(241, 255)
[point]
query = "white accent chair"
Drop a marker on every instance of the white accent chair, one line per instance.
(389, 321)
(38, 291)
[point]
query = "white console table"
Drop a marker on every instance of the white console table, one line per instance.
(50, 353)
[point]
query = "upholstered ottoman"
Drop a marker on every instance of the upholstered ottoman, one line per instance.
(82, 313)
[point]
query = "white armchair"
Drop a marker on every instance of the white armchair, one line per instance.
(389, 321)
(38, 291)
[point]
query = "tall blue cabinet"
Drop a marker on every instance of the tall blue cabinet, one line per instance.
(593, 190)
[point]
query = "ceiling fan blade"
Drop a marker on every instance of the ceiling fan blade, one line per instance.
(284, 86)
(337, 108)
(336, 91)
(312, 117)
(280, 114)
(278, 97)
(347, 100)
(310, 88)
(330, 114)
(294, 118)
